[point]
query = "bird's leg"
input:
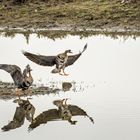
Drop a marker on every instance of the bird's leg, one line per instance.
(62, 102)
(29, 92)
(18, 92)
(60, 71)
(66, 101)
(64, 72)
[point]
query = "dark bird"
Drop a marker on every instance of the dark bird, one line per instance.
(65, 112)
(29, 109)
(60, 61)
(22, 80)
(24, 110)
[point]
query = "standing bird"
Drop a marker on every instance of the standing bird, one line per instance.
(60, 61)
(21, 80)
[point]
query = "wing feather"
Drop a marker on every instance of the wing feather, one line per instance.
(44, 117)
(76, 111)
(51, 60)
(73, 58)
(14, 71)
(40, 59)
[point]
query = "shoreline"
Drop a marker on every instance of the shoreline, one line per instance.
(34, 30)
(7, 90)
(73, 16)
(54, 33)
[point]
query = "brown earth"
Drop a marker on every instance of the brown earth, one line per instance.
(70, 14)
(7, 90)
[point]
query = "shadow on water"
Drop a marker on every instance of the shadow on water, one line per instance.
(63, 112)
(60, 34)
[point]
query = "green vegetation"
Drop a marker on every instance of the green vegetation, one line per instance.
(84, 14)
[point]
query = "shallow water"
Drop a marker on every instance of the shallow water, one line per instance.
(107, 74)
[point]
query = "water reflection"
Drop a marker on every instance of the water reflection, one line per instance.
(64, 112)
(105, 83)
(24, 110)
(54, 88)
(60, 34)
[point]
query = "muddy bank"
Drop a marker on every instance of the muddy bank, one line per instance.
(71, 14)
(7, 90)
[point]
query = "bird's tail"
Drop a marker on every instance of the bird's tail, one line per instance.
(55, 71)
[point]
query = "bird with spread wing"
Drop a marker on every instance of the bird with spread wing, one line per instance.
(61, 61)
(25, 109)
(22, 80)
(64, 112)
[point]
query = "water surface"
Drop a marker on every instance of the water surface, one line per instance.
(108, 73)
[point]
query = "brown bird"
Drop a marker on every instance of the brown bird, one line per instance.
(60, 61)
(24, 110)
(22, 80)
(64, 112)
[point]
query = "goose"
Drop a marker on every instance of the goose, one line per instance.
(61, 61)
(22, 80)
(63, 112)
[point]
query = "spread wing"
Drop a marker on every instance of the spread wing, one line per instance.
(14, 71)
(40, 59)
(77, 111)
(18, 120)
(44, 117)
(73, 58)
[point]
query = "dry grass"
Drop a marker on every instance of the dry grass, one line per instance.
(74, 13)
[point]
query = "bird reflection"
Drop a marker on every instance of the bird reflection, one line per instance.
(24, 110)
(64, 112)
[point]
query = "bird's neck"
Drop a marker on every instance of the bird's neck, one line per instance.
(30, 74)
(65, 53)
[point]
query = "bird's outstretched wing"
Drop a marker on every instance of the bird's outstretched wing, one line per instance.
(18, 120)
(73, 58)
(51, 60)
(77, 111)
(40, 59)
(44, 117)
(14, 71)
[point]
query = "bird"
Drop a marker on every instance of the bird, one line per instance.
(61, 61)
(29, 109)
(22, 80)
(24, 110)
(63, 112)
(68, 110)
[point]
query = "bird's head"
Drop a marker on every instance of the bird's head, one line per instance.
(28, 68)
(68, 51)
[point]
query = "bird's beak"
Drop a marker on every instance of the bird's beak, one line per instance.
(71, 52)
